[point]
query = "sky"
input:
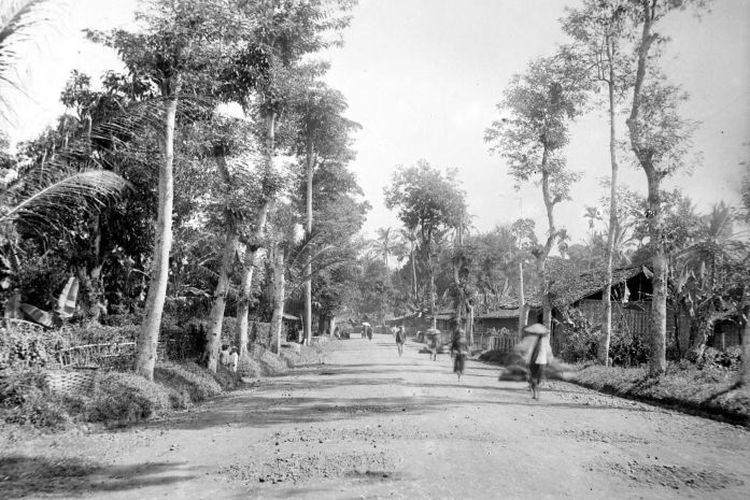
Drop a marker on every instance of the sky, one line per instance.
(423, 78)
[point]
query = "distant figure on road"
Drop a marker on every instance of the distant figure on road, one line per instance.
(459, 349)
(433, 342)
(538, 357)
(400, 339)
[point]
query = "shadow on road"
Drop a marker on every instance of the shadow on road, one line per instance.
(21, 476)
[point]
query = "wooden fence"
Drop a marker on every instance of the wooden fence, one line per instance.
(103, 355)
(502, 341)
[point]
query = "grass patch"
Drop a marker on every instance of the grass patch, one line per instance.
(711, 390)
(187, 383)
(123, 398)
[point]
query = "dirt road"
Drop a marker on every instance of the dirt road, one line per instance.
(369, 424)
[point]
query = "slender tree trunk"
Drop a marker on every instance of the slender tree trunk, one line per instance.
(308, 229)
(745, 379)
(613, 221)
(433, 292)
(549, 205)
(277, 317)
(157, 292)
(521, 301)
(246, 286)
(248, 268)
(470, 323)
(91, 291)
(414, 276)
(658, 359)
(216, 317)
(677, 330)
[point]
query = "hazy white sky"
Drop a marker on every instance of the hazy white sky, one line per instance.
(423, 77)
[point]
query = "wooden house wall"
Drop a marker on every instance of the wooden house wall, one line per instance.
(634, 318)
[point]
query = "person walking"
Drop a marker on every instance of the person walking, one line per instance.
(400, 339)
(538, 357)
(434, 341)
(460, 350)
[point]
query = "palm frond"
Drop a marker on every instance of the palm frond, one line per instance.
(20, 23)
(45, 207)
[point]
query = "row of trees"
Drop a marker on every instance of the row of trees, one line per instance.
(235, 153)
(616, 45)
(699, 264)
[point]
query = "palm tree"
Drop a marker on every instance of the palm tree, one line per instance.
(386, 242)
(20, 22)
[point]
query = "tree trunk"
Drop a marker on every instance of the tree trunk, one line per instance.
(745, 380)
(277, 317)
(658, 359)
(606, 336)
(246, 286)
(414, 276)
(433, 298)
(216, 317)
(676, 316)
(248, 268)
(308, 230)
(521, 301)
(149, 335)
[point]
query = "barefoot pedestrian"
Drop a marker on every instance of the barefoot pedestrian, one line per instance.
(433, 341)
(460, 350)
(400, 339)
(539, 356)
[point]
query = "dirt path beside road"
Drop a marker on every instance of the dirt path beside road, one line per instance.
(369, 424)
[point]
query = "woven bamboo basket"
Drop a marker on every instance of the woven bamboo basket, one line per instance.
(71, 381)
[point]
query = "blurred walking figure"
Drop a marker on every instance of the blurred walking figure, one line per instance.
(366, 332)
(434, 340)
(538, 356)
(459, 349)
(400, 339)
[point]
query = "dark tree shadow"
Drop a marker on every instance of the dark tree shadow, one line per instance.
(22, 476)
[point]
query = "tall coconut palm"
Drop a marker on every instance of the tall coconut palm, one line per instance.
(385, 242)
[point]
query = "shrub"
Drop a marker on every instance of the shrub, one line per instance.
(126, 397)
(627, 349)
(23, 346)
(188, 382)
(26, 400)
(270, 364)
(580, 338)
(249, 367)
(95, 333)
(14, 385)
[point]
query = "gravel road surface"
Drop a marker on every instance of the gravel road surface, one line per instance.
(371, 424)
